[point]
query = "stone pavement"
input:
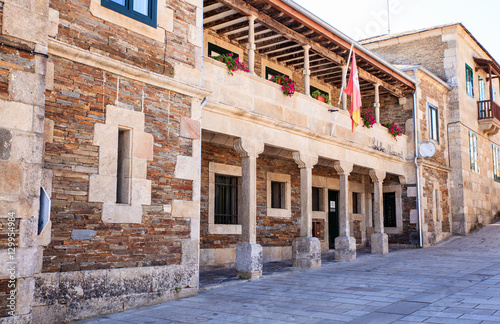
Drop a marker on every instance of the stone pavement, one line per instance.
(457, 281)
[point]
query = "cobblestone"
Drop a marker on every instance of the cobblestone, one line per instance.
(456, 281)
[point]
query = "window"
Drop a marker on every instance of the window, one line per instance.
(226, 199)
(140, 10)
(469, 79)
(270, 73)
(122, 175)
(433, 123)
(474, 164)
(480, 83)
(277, 194)
(496, 162)
(356, 200)
(215, 50)
(389, 209)
(317, 199)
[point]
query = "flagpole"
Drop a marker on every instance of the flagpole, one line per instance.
(345, 74)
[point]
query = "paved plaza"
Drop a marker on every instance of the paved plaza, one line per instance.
(456, 281)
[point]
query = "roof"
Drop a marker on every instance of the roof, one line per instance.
(416, 31)
(405, 33)
(281, 30)
(405, 68)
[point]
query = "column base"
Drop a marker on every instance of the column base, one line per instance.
(380, 243)
(249, 260)
(306, 252)
(345, 248)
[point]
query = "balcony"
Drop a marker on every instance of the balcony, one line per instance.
(244, 96)
(488, 115)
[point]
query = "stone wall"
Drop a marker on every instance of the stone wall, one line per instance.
(72, 77)
(23, 64)
(73, 158)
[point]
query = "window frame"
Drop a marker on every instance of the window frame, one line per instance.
(127, 10)
(432, 109)
(233, 195)
(473, 152)
(496, 162)
(481, 84)
(356, 202)
(278, 200)
(273, 72)
(286, 195)
(219, 49)
(469, 80)
(318, 201)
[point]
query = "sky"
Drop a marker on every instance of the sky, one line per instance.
(361, 19)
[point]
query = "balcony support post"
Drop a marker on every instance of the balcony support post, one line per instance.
(344, 95)
(376, 105)
(307, 72)
(251, 44)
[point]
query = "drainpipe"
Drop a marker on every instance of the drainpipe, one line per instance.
(415, 135)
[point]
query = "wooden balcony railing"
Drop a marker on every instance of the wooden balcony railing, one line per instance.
(487, 109)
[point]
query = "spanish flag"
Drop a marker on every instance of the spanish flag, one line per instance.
(353, 90)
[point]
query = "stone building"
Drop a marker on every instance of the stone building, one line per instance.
(158, 162)
(100, 106)
(472, 116)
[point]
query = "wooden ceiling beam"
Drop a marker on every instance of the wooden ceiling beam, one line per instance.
(280, 5)
(245, 9)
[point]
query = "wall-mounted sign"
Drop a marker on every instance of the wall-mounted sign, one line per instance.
(44, 213)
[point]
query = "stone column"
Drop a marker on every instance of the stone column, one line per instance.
(345, 244)
(248, 253)
(306, 250)
(376, 105)
(379, 240)
(307, 72)
(344, 82)
(251, 44)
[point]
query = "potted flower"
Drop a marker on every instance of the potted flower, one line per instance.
(393, 129)
(233, 63)
(287, 84)
(321, 96)
(368, 119)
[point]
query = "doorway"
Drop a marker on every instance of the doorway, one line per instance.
(333, 217)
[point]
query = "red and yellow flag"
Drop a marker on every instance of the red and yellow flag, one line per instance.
(354, 91)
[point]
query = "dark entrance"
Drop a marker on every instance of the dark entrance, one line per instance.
(389, 209)
(333, 217)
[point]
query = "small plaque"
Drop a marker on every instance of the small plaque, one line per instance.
(44, 213)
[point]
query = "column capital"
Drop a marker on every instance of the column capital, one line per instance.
(343, 168)
(305, 160)
(306, 47)
(376, 85)
(377, 175)
(252, 18)
(248, 147)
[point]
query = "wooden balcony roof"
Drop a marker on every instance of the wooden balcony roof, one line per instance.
(282, 27)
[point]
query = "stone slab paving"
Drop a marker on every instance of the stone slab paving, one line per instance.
(457, 281)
